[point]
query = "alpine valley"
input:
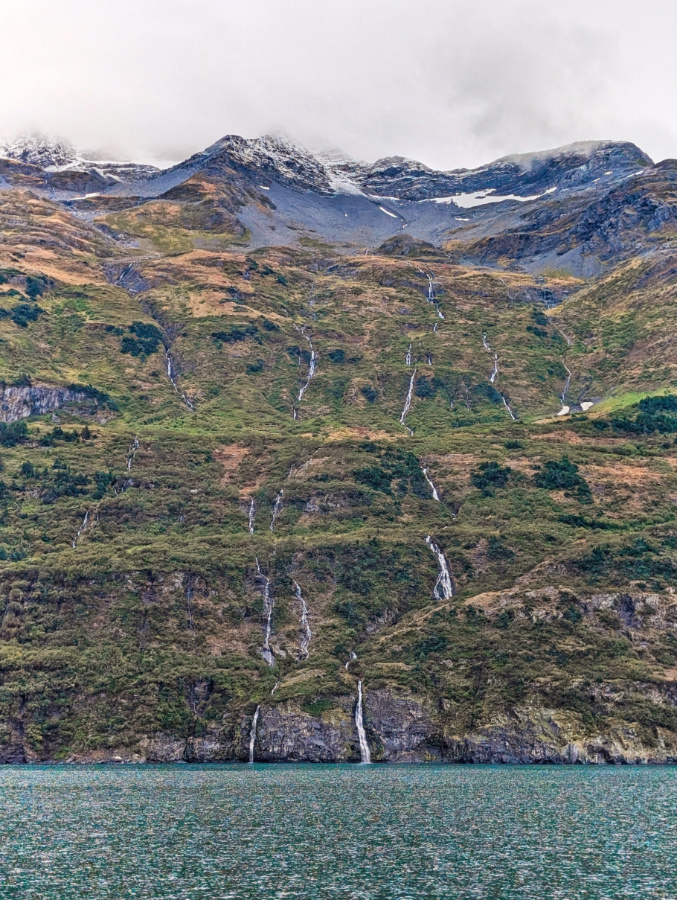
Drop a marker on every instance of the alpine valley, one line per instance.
(309, 459)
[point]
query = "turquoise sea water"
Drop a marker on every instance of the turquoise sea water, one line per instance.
(190, 833)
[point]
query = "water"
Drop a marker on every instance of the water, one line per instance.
(365, 754)
(348, 832)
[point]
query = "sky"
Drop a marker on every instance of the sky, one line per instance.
(449, 82)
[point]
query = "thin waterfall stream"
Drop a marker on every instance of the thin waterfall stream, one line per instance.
(252, 513)
(276, 508)
(365, 753)
(252, 734)
(304, 650)
(172, 377)
(436, 496)
(131, 453)
(444, 586)
(407, 402)
(267, 616)
(83, 527)
(565, 409)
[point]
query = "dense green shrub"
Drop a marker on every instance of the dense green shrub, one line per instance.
(489, 475)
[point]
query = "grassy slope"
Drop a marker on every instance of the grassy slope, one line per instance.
(119, 637)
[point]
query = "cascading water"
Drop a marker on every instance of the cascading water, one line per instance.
(365, 754)
(565, 409)
(268, 605)
(252, 513)
(170, 375)
(436, 496)
(305, 624)
(276, 509)
(444, 586)
(407, 402)
(352, 658)
(494, 371)
(407, 358)
(312, 367)
(252, 734)
(82, 528)
(131, 453)
(486, 343)
(507, 406)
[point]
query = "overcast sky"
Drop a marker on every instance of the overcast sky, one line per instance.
(450, 82)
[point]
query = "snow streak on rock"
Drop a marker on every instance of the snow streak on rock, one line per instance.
(252, 734)
(436, 496)
(365, 754)
(305, 624)
(444, 586)
(268, 605)
(276, 509)
(252, 513)
(172, 378)
(407, 402)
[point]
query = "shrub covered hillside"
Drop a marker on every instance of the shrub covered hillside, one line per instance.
(237, 479)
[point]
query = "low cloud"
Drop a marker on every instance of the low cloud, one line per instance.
(450, 82)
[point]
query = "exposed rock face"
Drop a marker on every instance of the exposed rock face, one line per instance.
(18, 402)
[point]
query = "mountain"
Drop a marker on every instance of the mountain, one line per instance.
(277, 424)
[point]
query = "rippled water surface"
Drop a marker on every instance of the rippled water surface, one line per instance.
(189, 833)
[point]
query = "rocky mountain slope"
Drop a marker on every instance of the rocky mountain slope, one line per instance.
(279, 430)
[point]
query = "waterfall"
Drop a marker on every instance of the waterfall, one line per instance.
(485, 342)
(439, 313)
(407, 402)
(252, 513)
(565, 409)
(435, 328)
(252, 734)
(82, 528)
(312, 368)
(352, 658)
(275, 687)
(305, 624)
(407, 358)
(268, 605)
(172, 378)
(494, 371)
(444, 586)
(131, 453)
(276, 509)
(507, 406)
(436, 496)
(365, 755)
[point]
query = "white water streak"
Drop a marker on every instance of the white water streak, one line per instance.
(252, 513)
(407, 358)
(507, 406)
(131, 453)
(563, 396)
(252, 734)
(172, 378)
(82, 528)
(436, 496)
(312, 368)
(494, 371)
(486, 343)
(305, 624)
(352, 658)
(268, 606)
(365, 754)
(276, 509)
(407, 402)
(444, 586)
